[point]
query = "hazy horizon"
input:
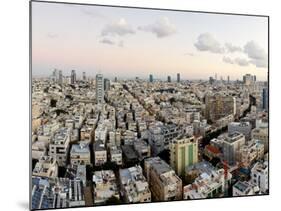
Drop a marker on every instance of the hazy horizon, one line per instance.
(129, 43)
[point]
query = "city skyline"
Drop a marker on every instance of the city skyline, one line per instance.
(135, 42)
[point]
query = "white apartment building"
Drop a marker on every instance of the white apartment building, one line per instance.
(80, 154)
(259, 176)
(59, 147)
(46, 167)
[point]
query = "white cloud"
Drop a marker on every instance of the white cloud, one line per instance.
(232, 48)
(161, 28)
(206, 42)
(256, 54)
(227, 60)
(238, 61)
(241, 61)
(52, 36)
(121, 44)
(120, 28)
(107, 41)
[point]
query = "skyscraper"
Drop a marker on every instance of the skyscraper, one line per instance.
(265, 99)
(106, 84)
(99, 89)
(73, 77)
(178, 77)
(60, 77)
(150, 78)
(249, 79)
(183, 153)
(228, 79)
(169, 79)
(84, 76)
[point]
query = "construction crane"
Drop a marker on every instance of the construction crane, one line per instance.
(225, 168)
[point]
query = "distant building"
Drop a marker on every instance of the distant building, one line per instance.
(46, 167)
(99, 89)
(249, 79)
(134, 187)
(150, 78)
(59, 146)
(211, 80)
(106, 84)
(183, 152)
(80, 154)
(242, 127)
(105, 186)
(169, 79)
(164, 184)
(73, 77)
(84, 78)
(178, 78)
(60, 79)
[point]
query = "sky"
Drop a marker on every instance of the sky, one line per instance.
(129, 43)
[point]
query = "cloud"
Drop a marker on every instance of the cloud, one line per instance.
(227, 60)
(238, 61)
(206, 42)
(121, 44)
(52, 36)
(120, 28)
(161, 28)
(91, 13)
(232, 48)
(241, 61)
(107, 41)
(189, 54)
(256, 54)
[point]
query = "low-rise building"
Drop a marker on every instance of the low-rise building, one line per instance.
(80, 154)
(261, 134)
(164, 184)
(205, 181)
(142, 149)
(116, 155)
(242, 127)
(105, 186)
(134, 187)
(46, 167)
(100, 154)
(259, 176)
(252, 151)
(244, 189)
(59, 146)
